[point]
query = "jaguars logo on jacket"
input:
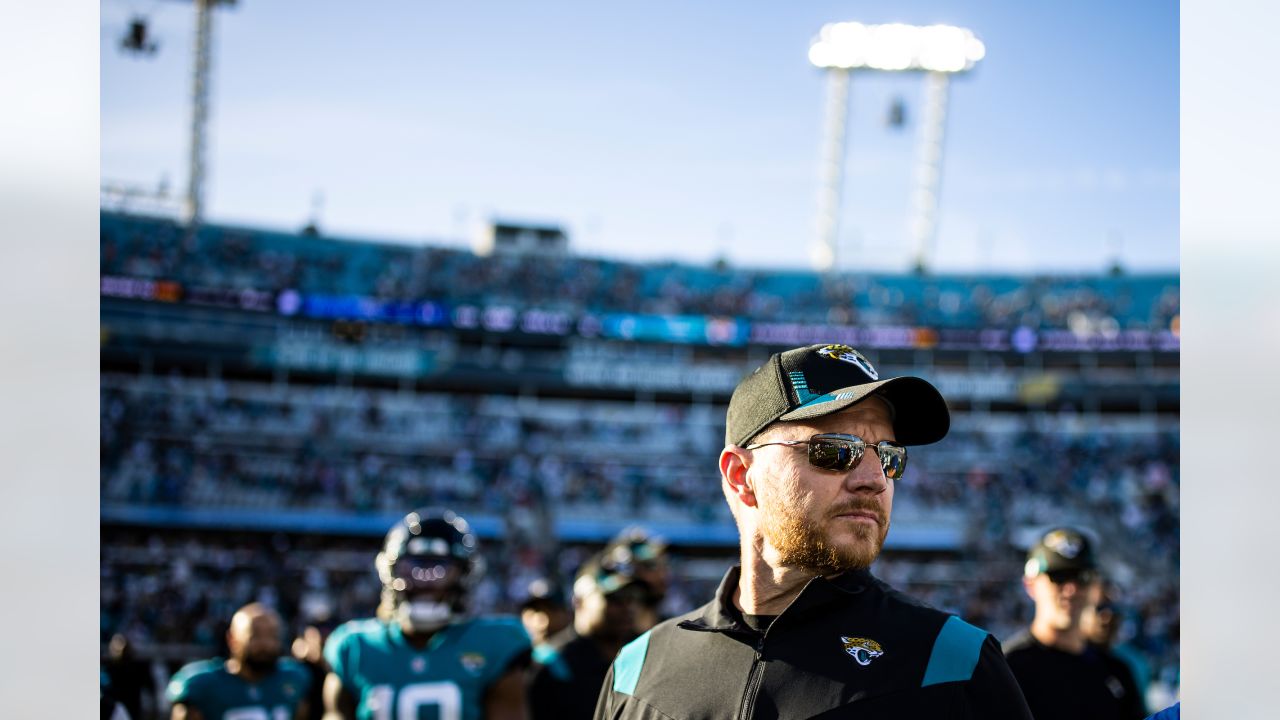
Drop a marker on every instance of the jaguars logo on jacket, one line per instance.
(862, 649)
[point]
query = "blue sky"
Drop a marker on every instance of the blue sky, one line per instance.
(663, 130)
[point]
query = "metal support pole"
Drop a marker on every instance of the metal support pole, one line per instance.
(194, 209)
(924, 222)
(829, 191)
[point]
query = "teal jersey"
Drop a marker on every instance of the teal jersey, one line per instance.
(446, 680)
(207, 686)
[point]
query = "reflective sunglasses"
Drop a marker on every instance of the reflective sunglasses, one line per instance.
(841, 453)
(1079, 577)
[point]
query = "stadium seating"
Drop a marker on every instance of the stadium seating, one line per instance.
(240, 258)
(223, 480)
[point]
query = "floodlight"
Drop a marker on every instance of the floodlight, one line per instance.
(896, 47)
(138, 39)
(937, 51)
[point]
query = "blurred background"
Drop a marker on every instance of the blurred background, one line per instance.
(512, 260)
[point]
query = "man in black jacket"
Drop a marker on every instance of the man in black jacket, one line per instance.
(814, 444)
(1062, 674)
(610, 604)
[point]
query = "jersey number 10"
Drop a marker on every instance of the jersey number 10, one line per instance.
(446, 697)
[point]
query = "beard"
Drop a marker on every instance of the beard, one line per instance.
(263, 664)
(804, 543)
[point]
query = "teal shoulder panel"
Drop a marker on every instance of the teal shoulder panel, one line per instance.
(545, 654)
(955, 652)
(626, 667)
(555, 663)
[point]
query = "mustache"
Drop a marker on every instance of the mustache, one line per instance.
(861, 505)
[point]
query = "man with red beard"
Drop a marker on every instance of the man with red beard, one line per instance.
(815, 442)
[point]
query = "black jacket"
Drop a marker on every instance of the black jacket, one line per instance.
(566, 679)
(1094, 684)
(844, 648)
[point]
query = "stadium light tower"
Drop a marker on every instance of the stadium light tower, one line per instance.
(193, 208)
(939, 51)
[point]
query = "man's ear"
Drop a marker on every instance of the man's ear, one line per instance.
(734, 463)
(1028, 584)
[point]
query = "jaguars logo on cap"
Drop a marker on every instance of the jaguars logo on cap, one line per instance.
(1066, 544)
(863, 650)
(844, 353)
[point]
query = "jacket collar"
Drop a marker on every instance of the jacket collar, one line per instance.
(721, 615)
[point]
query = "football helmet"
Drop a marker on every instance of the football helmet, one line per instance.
(428, 563)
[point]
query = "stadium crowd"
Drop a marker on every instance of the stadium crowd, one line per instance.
(207, 443)
(237, 258)
(199, 442)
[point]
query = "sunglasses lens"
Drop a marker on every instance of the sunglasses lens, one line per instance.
(1079, 577)
(834, 454)
(893, 458)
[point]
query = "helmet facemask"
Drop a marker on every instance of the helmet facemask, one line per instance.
(427, 566)
(429, 592)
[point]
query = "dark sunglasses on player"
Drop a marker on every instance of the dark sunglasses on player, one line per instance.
(841, 453)
(1079, 577)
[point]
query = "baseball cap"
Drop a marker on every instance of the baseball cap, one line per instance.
(608, 579)
(633, 545)
(818, 380)
(543, 592)
(1060, 549)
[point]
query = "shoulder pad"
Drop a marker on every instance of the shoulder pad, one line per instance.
(507, 629)
(356, 628)
(293, 667)
(189, 677)
(348, 635)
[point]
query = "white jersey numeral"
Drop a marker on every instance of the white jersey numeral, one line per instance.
(445, 696)
(256, 712)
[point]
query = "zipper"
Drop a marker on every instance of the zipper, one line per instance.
(757, 664)
(753, 681)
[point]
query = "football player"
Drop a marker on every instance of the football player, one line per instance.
(253, 683)
(610, 605)
(423, 656)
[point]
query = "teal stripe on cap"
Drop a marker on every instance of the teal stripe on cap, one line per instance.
(801, 385)
(955, 652)
(626, 667)
(829, 397)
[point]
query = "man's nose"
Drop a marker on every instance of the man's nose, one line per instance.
(868, 475)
